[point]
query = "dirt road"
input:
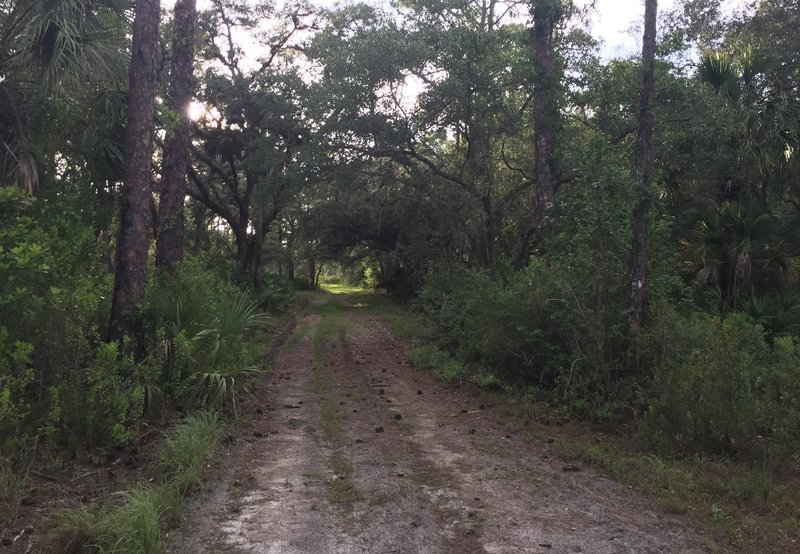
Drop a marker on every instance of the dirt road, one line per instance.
(356, 451)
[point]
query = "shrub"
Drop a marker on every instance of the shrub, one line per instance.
(275, 294)
(99, 404)
(531, 330)
(201, 328)
(721, 388)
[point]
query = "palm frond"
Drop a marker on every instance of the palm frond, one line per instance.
(719, 70)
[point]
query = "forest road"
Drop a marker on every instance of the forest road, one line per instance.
(355, 451)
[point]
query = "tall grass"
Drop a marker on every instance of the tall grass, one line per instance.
(183, 453)
(134, 521)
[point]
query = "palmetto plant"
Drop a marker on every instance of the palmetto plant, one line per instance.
(50, 49)
(737, 247)
(220, 372)
(763, 123)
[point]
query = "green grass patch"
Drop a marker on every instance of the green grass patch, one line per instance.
(340, 288)
(749, 509)
(297, 335)
(134, 521)
(11, 490)
(440, 362)
(185, 450)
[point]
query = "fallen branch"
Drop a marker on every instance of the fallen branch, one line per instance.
(466, 413)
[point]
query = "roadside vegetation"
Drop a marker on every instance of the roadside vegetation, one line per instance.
(136, 521)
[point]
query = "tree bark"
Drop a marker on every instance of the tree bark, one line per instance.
(200, 229)
(134, 233)
(546, 15)
(169, 247)
(258, 245)
(644, 170)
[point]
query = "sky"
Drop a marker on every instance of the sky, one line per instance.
(615, 22)
(618, 23)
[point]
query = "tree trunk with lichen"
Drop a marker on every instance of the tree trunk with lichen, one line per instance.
(130, 274)
(169, 247)
(644, 170)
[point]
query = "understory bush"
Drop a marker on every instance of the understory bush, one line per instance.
(440, 362)
(62, 386)
(537, 329)
(721, 386)
(709, 384)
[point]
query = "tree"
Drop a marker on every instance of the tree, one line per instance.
(762, 123)
(169, 247)
(246, 165)
(130, 275)
(547, 14)
(644, 169)
(465, 131)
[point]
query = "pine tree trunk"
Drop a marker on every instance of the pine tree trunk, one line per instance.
(258, 245)
(644, 170)
(200, 230)
(135, 218)
(169, 248)
(546, 14)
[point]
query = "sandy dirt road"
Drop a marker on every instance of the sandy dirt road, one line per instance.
(355, 451)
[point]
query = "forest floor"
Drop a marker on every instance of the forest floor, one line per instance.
(352, 450)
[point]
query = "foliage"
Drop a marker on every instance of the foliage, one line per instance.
(100, 404)
(440, 362)
(722, 388)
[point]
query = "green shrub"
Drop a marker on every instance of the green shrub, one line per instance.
(16, 376)
(427, 357)
(102, 403)
(487, 381)
(202, 331)
(721, 388)
(530, 330)
(275, 295)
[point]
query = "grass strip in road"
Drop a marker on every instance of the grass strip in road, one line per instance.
(340, 488)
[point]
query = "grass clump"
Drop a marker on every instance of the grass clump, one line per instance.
(129, 523)
(134, 521)
(440, 362)
(11, 490)
(186, 448)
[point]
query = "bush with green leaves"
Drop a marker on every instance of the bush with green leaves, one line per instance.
(536, 328)
(722, 388)
(202, 330)
(440, 362)
(100, 404)
(275, 295)
(54, 300)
